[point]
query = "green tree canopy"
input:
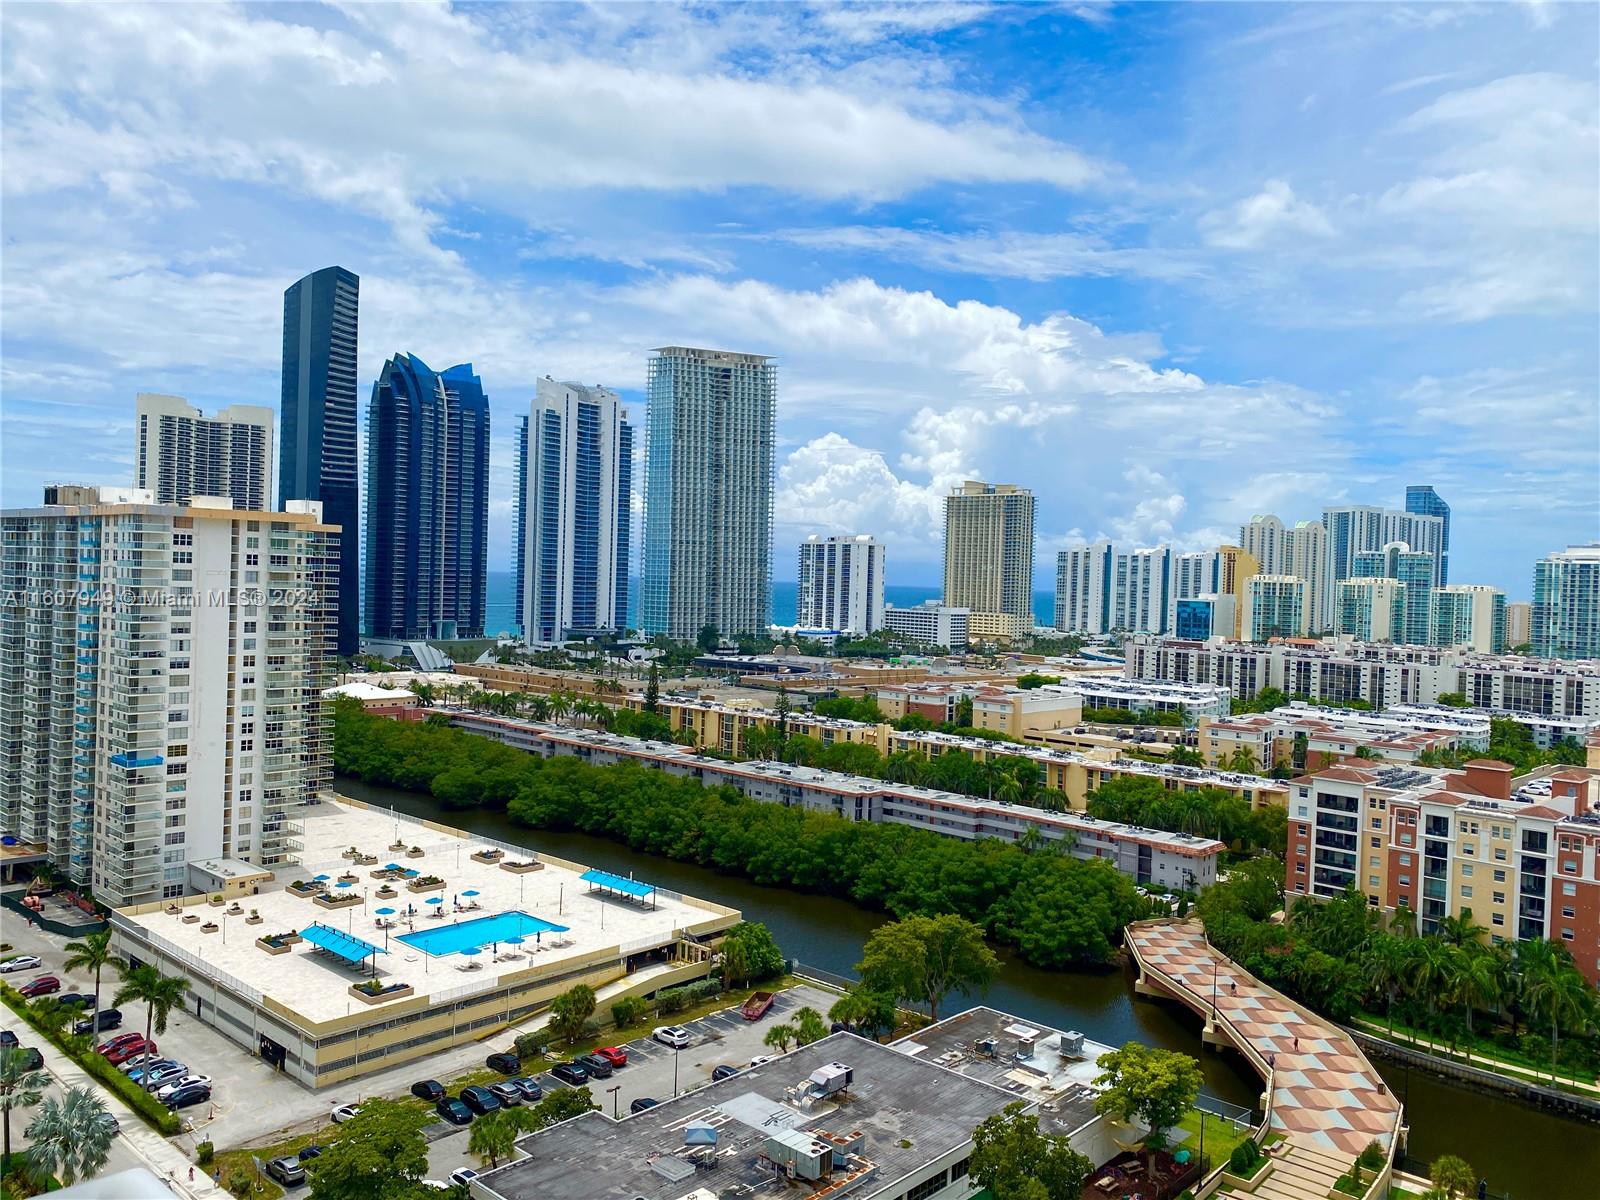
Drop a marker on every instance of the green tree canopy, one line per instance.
(1149, 1084)
(1015, 1161)
(868, 1011)
(380, 1154)
(71, 1137)
(924, 959)
(749, 952)
(570, 1012)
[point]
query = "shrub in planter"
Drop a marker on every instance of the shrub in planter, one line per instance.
(203, 1152)
(671, 1001)
(1244, 1160)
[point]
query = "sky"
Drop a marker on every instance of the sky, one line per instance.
(1168, 266)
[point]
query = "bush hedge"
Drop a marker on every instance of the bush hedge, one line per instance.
(1244, 1160)
(628, 1010)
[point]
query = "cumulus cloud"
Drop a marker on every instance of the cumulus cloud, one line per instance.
(1272, 214)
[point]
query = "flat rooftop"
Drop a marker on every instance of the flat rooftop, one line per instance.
(911, 1112)
(315, 984)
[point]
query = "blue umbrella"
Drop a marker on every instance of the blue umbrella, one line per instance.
(411, 872)
(384, 912)
(345, 883)
(469, 893)
(434, 900)
(319, 879)
(516, 940)
(470, 950)
(391, 866)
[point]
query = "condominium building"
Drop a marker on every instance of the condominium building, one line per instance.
(1521, 857)
(841, 584)
(1470, 615)
(1301, 551)
(1100, 589)
(1204, 617)
(1538, 687)
(573, 513)
(180, 452)
(1236, 566)
(1519, 623)
(988, 555)
(427, 502)
(1360, 528)
(1424, 501)
(1566, 603)
(708, 492)
(1371, 610)
(1083, 588)
(162, 697)
(931, 624)
(1193, 574)
(317, 446)
(1417, 572)
(1275, 607)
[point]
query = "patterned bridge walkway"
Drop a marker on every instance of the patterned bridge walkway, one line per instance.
(1326, 1096)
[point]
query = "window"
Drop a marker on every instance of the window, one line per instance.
(1466, 868)
(1497, 919)
(1569, 867)
(1499, 876)
(1499, 897)
(1405, 860)
(1569, 889)
(1466, 891)
(1299, 868)
(1568, 913)
(1405, 839)
(1499, 854)
(1566, 935)
(1405, 881)
(1373, 862)
(1376, 842)
(1372, 881)
(928, 1187)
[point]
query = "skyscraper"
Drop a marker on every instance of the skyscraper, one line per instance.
(317, 420)
(575, 481)
(427, 502)
(1275, 607)
(1566, 603)
(1371, 609)
(1301, 551)
(1422, 499)
(1353, 529)
(1236, 567)
(1083, 588)
(840, 584)
(988, 556)
(180, 452)
(708, 492)
(1415, 571)
(1470, 615)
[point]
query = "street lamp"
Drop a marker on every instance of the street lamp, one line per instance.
(675, 1072)
(612, 1091)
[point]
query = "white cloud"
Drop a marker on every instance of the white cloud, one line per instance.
(1273, 214)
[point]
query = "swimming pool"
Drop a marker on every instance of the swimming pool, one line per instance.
(481, 931)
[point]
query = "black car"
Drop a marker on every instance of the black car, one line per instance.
(725, 1071)
(287, 1171)
(508, 1093)
(506, 1064)
(32, 1060)
(529, 1088)
(479, 1099)
(642, 1103)
(106, 1018)
(307, 1153)
(80, 998)
(597, 1067)
(195, 1093)
(430, 1090)
(452, 1110)
(7, 1038)
(570, 1072)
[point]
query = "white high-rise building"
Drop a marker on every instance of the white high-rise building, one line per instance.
(708, 493)
(1141, 586)
(180, 452)
(988, 555)
(1471, 615)
(1195, 574)
(1301, 551)
(1354, 529)
(574, 513)
(931, 623)
(1083, 588)
(162, 690)
(1274, 607)
(841, 584)
(1372, 609)
(1566, 603)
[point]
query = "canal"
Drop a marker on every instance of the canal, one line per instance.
(1522, 1151)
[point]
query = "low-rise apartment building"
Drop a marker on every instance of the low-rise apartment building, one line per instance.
(1310, 737)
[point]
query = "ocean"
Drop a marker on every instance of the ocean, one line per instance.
(501, 605)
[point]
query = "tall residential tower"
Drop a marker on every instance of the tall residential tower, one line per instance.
(708, 492)
(1566, 603)
(988, 557)
(317, 422)
(840, 584)
(180, 452)
(1423, 500)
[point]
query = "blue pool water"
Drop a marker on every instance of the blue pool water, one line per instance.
(482, 931)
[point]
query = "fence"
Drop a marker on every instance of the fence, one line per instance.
(830, 978)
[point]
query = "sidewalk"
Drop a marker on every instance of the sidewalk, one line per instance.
(1487, 1063)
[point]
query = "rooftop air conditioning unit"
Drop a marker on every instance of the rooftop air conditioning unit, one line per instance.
(1072, 1044)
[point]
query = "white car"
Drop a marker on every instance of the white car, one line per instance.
(437, 1185)
(166, 1089)
(759, 1059)
(343, 1112)
(22, 962)
(462, 1176)
(675, 1036)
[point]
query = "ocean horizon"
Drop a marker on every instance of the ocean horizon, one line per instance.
(500, 607)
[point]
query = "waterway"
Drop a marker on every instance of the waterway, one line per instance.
(1522, 1151)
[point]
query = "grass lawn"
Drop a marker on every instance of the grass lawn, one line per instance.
(1486, 1054)
(1221, 1137)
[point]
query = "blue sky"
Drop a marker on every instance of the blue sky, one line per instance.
(1169, 266)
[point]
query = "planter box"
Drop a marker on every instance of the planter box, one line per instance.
(336, 901)
(215, 903)
(416, 885)
(488, 856)
(254, 920)
(1241, 1184)
(190, 918)
(521, 868)
(282, 948)
(398, 845)
(386, 893)
(210, 927)
(399, 992)
(415, 853)
(366, 860)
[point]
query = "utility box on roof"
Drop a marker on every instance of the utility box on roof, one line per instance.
(831, 1078)
(800, 1154)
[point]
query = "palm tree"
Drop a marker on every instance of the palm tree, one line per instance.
(159, 993)
(20, 1086)
(1386, 966)
(1007, 789)
(1431, 972)
(809, 1027)
(1477, 983)
(1562, 997)
(779, 1037)
(71, 1136)
(1458, 931)
(494, 1134)
(92, 954)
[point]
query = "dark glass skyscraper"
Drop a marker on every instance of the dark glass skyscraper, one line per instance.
(427, 502)
(1422, 499)
(317, 455)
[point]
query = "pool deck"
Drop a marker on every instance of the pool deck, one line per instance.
(315, 984)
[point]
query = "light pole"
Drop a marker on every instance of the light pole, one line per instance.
(675, 1072)
(613, 1090)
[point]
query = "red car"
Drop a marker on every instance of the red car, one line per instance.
(614, 1055)
(42, 986)
(122, 1039)
(131, 1049)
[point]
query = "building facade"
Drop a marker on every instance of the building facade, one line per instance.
(1363, 528)
(1470, 615)
(427, 502)
(162, 702)
(988, 554)
(1237, 567)
(931, 623)
(1519, 623)
(1417, 572)
(573, 513)
(1422, 500)
(1083, 588)
(1204, 617)
(317, 422)
(841, 584)
(708, 493)
(1565, 618)
(1275, 607)
(1194, 574)
(1371, 610)
(1301, 551)
(179, 452)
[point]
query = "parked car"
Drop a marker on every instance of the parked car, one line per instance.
(146, 1073)
(195, 1093)
(22, 962)
(529, 1088)
(133, 1048)
(104, 1019)
(454, 1111)
(509, 1095)
(725, 1071)
(759, 1059)
(642, 1103)
(675, 1036)
(436, 1185)
(430, 1090)
(597, 1067)
(307, 1153)
(462, 1176)
(287, 1170)
(343, 1112)
(86, 999)
(7, 1038)
(183, 1081)
(480, 1099)
(615, 1055)
(32, 1059)
(113, 1126)
(110, 1044)
(161, 1075)
(505, 1063)
(570, 1072)
(44, 985)
(140, 1062)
